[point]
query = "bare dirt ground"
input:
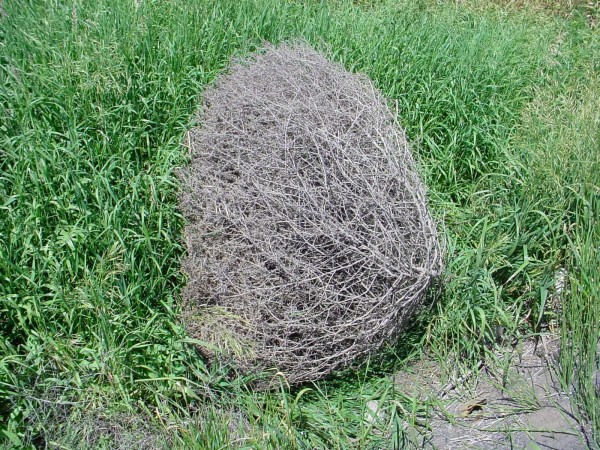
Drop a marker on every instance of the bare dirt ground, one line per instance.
(516, 404)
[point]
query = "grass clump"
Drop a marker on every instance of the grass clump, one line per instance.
(95, 98)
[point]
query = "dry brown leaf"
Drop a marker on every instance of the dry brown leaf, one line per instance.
(476, 404)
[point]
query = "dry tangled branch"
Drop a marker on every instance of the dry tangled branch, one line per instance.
(309, 241)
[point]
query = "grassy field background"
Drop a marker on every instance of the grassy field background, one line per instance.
(501, 102)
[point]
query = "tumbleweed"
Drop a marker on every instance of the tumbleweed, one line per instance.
(309, 241)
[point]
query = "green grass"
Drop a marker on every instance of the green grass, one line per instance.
(95, 98)
(581, 332)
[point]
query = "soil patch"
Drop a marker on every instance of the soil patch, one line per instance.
(518, 403)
